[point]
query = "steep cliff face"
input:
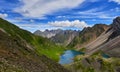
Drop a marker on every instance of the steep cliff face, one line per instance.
(115, 27)
(108, 42)
(116, 24)
(18, 53)
(88, 35)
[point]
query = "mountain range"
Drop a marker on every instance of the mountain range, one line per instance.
(60, 37)
(22, 51)
(47, 33)
(73, 38)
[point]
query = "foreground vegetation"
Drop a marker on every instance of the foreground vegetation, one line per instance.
(94, 63)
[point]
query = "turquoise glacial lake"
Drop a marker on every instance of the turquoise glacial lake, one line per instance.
(68, 56)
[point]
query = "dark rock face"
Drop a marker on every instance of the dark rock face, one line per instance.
(115, 27)
(116, 24)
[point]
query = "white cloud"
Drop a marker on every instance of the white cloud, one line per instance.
(117, 9)
(40, 8)
(54, 25)
(3, 15)
(92, 11)
(32, 20)
(61, 17)
(94, 0)
(117, 1)
(67, 23)
(97, 13)
(105, 16)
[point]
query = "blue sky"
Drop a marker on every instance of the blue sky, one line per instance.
(54, 14)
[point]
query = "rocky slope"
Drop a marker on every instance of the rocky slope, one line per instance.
(19, 51)
(102, 54)
(88, 35)
(108, 42)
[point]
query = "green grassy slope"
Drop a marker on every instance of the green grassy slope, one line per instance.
(21, 51)
(95, 63)
(16, 55)
(40, 44)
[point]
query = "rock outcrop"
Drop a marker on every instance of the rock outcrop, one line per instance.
(108, 42)
(116, 24)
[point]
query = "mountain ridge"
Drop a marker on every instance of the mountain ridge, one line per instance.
(87, 35)
(58, 36)
(47, 33)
